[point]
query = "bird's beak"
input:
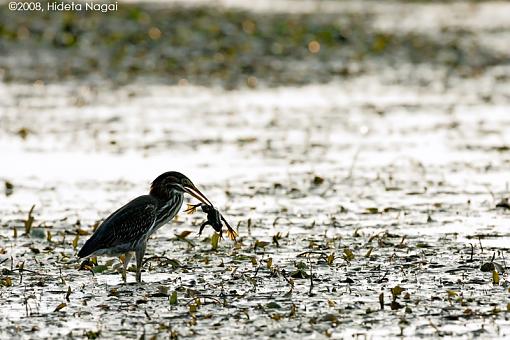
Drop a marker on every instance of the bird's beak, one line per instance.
(193, 191)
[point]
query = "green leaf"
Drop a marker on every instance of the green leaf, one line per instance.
(184, 234)
(75, 241)
(300, 274)
(451, 293)
(372, 210)
(260, 244)
(369, 252)
(273, 305)
(192, 308)
(174, 263)
(348, 254)
(59, 307)
(495, 277)
(301, 265)
(330, 259)
(173, 298)
(6, 282)
(396, 291)
(214, 241)
(99, 268)
(29, 221)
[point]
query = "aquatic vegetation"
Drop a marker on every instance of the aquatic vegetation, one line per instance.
(373, 206)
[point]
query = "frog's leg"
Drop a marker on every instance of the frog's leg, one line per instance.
(202, 226)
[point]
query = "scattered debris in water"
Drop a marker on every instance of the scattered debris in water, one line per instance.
(365, 199)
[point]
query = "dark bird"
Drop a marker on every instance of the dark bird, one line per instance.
(127, 230)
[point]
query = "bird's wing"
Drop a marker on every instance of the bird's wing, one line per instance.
(126, 225)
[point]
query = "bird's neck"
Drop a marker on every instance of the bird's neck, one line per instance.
(167, 209)
(170, 198)
(165, 195)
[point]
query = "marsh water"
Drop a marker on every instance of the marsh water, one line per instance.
(367, 204)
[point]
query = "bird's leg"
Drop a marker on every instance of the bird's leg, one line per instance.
(140, 252)
(127, 258)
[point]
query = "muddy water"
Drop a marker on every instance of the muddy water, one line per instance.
(365, 206)
(366, 185)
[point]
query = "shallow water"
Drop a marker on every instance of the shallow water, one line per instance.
(413, 174)
(383, 180)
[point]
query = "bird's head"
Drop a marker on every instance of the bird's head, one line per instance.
(172, 181)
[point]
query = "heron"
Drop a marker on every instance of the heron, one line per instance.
(127, 230)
